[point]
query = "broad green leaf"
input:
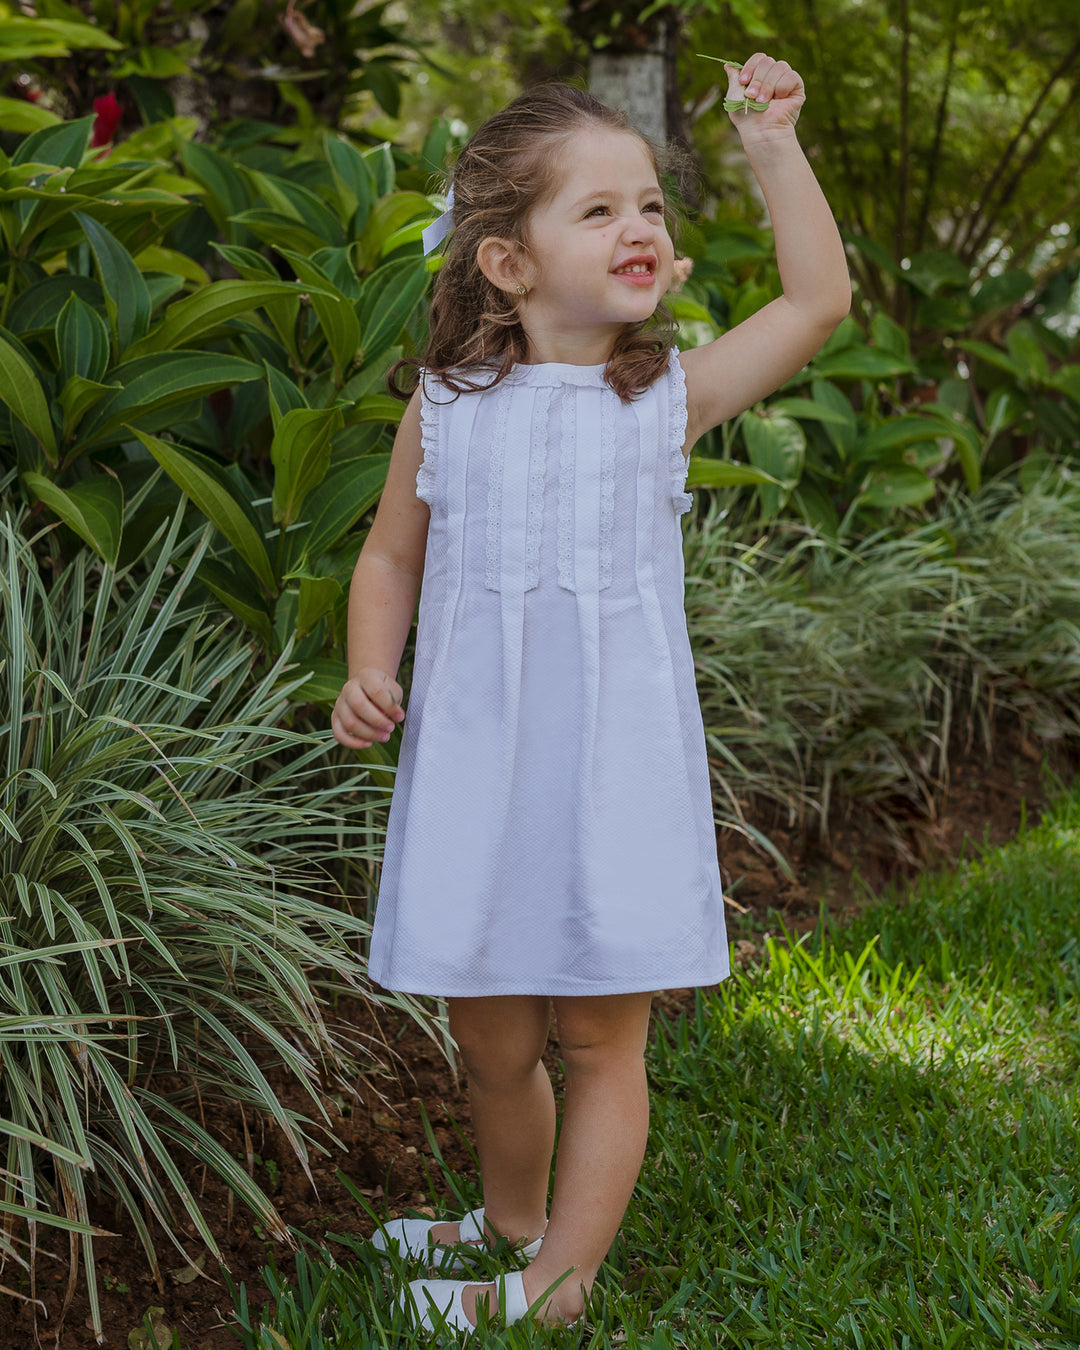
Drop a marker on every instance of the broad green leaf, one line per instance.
(390, 214)
(252, 266)
(390, 295)
(188, 320)
(62, 144)
(82, 340)
(284, 394)
(376, 408)
(1066, 379)
(843, 432)
(861, 363)
(158, 259)
(932, 270)
(19, 116)
(994, 355)
(336, 314)
(1004, 407)
(23, 394)
(750, 299)
(293, 200)
(354, 178)
(683, 310)
(301, 456)
(77, 397)
(890, 337)
(900, 431)
(335, 506)
(226, 191)
(153, 384)
(94, 509)
(200, 479)
(380, 160)
(967, 442)
(323, 685)
(1026, 350)
(776, 446)
(273, 227)
(316, 597)
(236, 591)
(126, 298)
(1008, 288)
(720, 473)
(877, 253)
(897, 487)
(810, 410)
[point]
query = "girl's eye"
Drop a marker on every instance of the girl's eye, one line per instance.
(596, 211)
(654, 206)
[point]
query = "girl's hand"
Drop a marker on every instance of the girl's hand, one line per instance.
(763, 80)
(367, 709)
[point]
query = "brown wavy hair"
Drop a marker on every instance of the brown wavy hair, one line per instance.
(508, 167)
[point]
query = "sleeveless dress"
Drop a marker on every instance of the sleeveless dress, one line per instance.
(551, 829)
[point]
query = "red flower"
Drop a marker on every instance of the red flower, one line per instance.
(110, 114)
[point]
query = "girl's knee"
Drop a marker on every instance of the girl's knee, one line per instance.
(594, 1032)
(499, 1039)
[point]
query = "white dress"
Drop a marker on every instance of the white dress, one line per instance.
(551, 830)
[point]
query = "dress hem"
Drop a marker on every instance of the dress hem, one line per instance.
(553, 990)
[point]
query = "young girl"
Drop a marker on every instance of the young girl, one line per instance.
(551, 836)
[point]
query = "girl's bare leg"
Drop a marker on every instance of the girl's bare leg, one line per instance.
(502, 1041)
(601, 1147)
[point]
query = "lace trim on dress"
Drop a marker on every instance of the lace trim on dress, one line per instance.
(429, 440)
(534, 519)
(678, 463)
(609, 410)
(495, 480)
(567, 451)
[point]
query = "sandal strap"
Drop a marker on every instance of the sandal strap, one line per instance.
(512, 1300)
(472, 1226)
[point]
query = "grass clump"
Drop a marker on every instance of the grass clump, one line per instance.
(173, 917)
(843, 676)
(868, 1140)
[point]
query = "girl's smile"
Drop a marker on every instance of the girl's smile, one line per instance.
(639, 270)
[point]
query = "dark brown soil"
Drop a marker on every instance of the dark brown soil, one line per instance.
(387, 1154)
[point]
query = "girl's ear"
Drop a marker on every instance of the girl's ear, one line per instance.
(503, 263)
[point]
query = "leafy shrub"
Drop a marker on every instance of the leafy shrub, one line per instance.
(883, 418)
(834, 676)
(172, 902)
(266, 387)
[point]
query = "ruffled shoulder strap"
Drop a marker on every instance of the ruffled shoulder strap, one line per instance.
(678, 463)
(427, 474)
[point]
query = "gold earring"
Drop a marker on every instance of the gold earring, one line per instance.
(522, 290)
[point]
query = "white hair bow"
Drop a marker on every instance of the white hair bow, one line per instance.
(437, 231)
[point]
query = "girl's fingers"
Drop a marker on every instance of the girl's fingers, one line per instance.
(764, 79)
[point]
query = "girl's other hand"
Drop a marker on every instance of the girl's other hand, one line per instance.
(765, 81)
(367, 709)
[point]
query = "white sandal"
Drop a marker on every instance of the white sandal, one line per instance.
(412, 1239)
(435, 1305)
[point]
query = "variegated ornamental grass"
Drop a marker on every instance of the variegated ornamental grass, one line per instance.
(173, 898)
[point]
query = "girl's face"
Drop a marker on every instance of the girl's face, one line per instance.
(601, 255)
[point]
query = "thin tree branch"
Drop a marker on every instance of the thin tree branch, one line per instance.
(959, 244)
(902, 302)
(934, 158)
(971, 250)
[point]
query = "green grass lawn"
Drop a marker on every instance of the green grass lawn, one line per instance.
(871, 1139)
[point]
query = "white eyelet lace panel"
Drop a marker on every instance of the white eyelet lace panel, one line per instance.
(534, 520)
(429, 440)
(678, 463)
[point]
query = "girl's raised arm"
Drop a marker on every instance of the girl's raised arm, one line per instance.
(751, 360)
